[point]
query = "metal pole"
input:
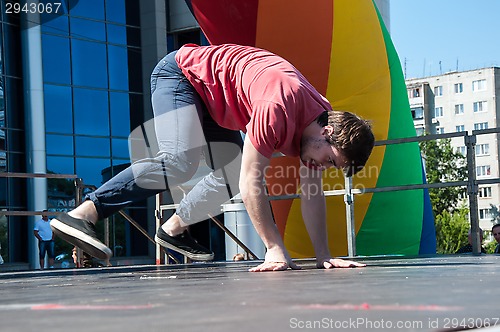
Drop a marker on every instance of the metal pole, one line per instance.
(78, 201)
(158, 216)
(349, 209)
(31, 44)
(78, 192)
(160, 251)
(106, 232)
(472, 191)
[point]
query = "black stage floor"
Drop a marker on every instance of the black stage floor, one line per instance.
(397, 294)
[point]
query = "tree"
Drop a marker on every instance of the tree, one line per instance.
(443, 164)
(495, 214)
(452, 230)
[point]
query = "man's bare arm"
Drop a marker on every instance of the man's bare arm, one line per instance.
(257, 204)
(313, 207)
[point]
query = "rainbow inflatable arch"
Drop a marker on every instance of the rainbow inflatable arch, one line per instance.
(345, 51)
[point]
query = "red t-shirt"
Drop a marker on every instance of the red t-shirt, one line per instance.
(253, 90)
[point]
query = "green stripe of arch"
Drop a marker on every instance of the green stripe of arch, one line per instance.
(393, 222)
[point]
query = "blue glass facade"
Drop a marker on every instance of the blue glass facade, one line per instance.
(93, 92)
(87, 69)
(91, 58)
(12, 136)
(93, 97)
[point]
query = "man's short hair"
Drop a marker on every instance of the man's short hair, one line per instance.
(495, 226)
(352, 136)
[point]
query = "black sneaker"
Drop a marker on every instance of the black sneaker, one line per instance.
(80, 233)
(184, 244)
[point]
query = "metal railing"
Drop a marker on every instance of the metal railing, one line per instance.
(31, 176)
(165, 207)
(348, 192)
(472, 184)
(79, 196)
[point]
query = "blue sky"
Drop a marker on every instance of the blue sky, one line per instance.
(427, 32)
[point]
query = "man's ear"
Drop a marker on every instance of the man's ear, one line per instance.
(327, 131)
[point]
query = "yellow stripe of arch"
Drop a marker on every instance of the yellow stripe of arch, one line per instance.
(359, 81)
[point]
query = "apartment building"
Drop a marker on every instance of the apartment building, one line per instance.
(463, 101)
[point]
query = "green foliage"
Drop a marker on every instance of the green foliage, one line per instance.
(452, 230)
(490, 247)
(495, 214)
(443, 164)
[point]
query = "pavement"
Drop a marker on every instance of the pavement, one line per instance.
(437, 293)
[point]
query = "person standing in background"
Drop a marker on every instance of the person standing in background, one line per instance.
(45, 237)
(495, 230)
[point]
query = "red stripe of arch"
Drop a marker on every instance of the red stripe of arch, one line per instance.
(226, 21)
(301, 32)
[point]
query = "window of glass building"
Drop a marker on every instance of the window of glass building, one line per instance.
(116, 34)
(3, 147)
(119, 104)
(56, 59)
(88, 9)
(115, 11)
(92, 146)
(12, 139)
(117, 61)
(12, 45)
(89, 64)
(58, 103)
(119, 150)
(87, 29)
(59, 145)
(91, 112)
(90, 170)
(60, 165)
(57, 24)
